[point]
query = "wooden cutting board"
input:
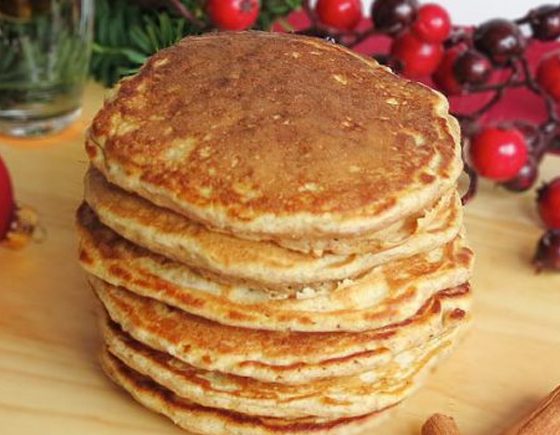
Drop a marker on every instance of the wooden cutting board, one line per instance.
(50, 382)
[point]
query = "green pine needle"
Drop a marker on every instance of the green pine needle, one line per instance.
(126, 35)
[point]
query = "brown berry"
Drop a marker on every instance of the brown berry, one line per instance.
(393, 16)
(500, 39)
(545, 22)
(472, 67)
(547, 255)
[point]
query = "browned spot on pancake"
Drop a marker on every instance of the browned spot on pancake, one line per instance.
(427, 178)
(119, 272)
(436, 307)
(91, 149)
(457, 314)
(85, 258)
(237, 315)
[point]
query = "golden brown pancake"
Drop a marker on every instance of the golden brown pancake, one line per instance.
(271, 356)
(200, 419)
(229, 130)
(389, 293)
(261, 265)
(328, 398)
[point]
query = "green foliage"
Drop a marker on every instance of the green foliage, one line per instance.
(272, 10)
(126, 34)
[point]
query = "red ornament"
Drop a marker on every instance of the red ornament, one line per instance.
(233, 14)
(498, 153)
(548, 74)
(432, 23)
(339, 14)
(548, 199)
(7, 205)
(444, 77)
(418, 58)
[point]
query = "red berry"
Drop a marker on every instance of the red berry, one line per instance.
(432, 23)
(233, 14)
(444, 77)
(339, 14)
(548, 74)
(498, 153)
(548, 199)
(6, 200)
(418, 58)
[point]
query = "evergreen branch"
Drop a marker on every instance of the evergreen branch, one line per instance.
(127, 33)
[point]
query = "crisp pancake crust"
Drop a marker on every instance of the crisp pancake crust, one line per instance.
(271, 356)
(328, 398)
(266, 134)
(262, 265)
(201, 419)
(387, 294)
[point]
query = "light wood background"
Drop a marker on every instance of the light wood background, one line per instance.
(50, 382)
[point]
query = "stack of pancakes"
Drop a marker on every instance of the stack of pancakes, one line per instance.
(272, 225)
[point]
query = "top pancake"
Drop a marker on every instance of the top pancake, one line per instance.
(263, 134)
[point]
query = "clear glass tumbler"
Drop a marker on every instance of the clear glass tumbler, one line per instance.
(45, 47)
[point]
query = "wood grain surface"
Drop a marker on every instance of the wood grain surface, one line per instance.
(50, 382)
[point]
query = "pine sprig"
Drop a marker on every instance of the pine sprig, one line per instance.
(126, 33)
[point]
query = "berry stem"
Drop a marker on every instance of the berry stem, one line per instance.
(458, 35)
(182, 10)
(499, 90)
(360, 37)
(536, 89)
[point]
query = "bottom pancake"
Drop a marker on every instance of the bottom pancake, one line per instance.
(204, 420)
(328, 398)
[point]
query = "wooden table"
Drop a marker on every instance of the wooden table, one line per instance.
(50, 382)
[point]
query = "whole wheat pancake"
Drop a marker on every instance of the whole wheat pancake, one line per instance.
(387, 294)
(229, 130)
(200, 419)
(272, 356)
(261, 265)
(329, 398)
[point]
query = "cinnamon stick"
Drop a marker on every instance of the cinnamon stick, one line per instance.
(439, 424)
(543, 420)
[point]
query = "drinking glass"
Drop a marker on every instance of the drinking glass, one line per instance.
(45, 47)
